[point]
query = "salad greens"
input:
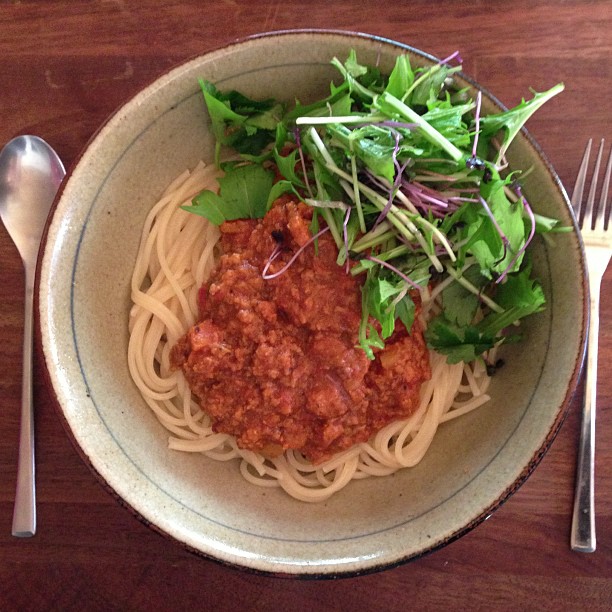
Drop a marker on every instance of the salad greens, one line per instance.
(409, 177)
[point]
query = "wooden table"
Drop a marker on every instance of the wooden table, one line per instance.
(64, 66)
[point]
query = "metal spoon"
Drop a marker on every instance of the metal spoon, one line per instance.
(30, 175)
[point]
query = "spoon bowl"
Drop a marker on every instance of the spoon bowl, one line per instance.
(30, 175)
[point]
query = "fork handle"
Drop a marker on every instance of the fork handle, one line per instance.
(583, 518)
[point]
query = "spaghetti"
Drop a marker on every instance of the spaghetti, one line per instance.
(175, 258)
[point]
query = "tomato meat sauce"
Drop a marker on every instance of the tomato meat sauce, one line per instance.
(276, 362)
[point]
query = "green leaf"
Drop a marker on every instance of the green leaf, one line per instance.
(457, 343)
(448, 120)
(368, 335)
(509, 217)
(372, 145)
(380, 293)
(405, 310)
(519, 296)
(278, 189)
(358, 77)
(281, 137)
(239, 102)
(394, 107)
(338, 95)
(353, 67)
(547, 224)
(401, 77)
(460, 304)
(511, 121)
(429, 84)
(480, 236)
(239, 122)
(352, 230)
(340, 161)
(243, 194)
(377, 292)
(286, 165)
(209, 205)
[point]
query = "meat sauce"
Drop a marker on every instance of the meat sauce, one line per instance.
(276, 362)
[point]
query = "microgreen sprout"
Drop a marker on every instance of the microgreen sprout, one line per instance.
(387, 265)
(277, 251)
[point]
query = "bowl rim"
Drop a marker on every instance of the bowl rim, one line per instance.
(561, 413)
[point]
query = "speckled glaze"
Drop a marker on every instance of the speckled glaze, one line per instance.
(474, 464)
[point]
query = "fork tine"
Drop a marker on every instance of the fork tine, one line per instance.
(601, 220)
(580, 180)
(587, 222)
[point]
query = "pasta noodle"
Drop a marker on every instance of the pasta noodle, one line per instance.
(176, 256)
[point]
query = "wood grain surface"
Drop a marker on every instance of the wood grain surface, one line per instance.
(64, 67)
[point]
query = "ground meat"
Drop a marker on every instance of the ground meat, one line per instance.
(276, 363)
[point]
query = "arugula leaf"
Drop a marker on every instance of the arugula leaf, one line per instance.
(364, 81)
(428, 85)
(286, 166)
(278, 189)
(511, 121)
(509, 217)
(246, 125)
(378, 291)
(405, 310)
(388, 104)
(371, 144)
(368, 335)
(458, 343)
(338, 98)
(380, 296)
(243, 194)
(547, 224)
(520, 296)
(401, 77)
(495, 241)
(460, 304)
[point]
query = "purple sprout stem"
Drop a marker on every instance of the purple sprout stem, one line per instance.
(452, 56)
(277, 251)
(380, 262)
(396, 183)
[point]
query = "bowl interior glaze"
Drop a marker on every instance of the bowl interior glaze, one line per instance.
(475, 463)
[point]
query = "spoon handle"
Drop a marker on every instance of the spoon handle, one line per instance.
(24, 513)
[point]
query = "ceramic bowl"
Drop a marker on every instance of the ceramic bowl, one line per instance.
(475, 463)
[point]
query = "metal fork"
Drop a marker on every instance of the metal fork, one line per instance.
(597, 239)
